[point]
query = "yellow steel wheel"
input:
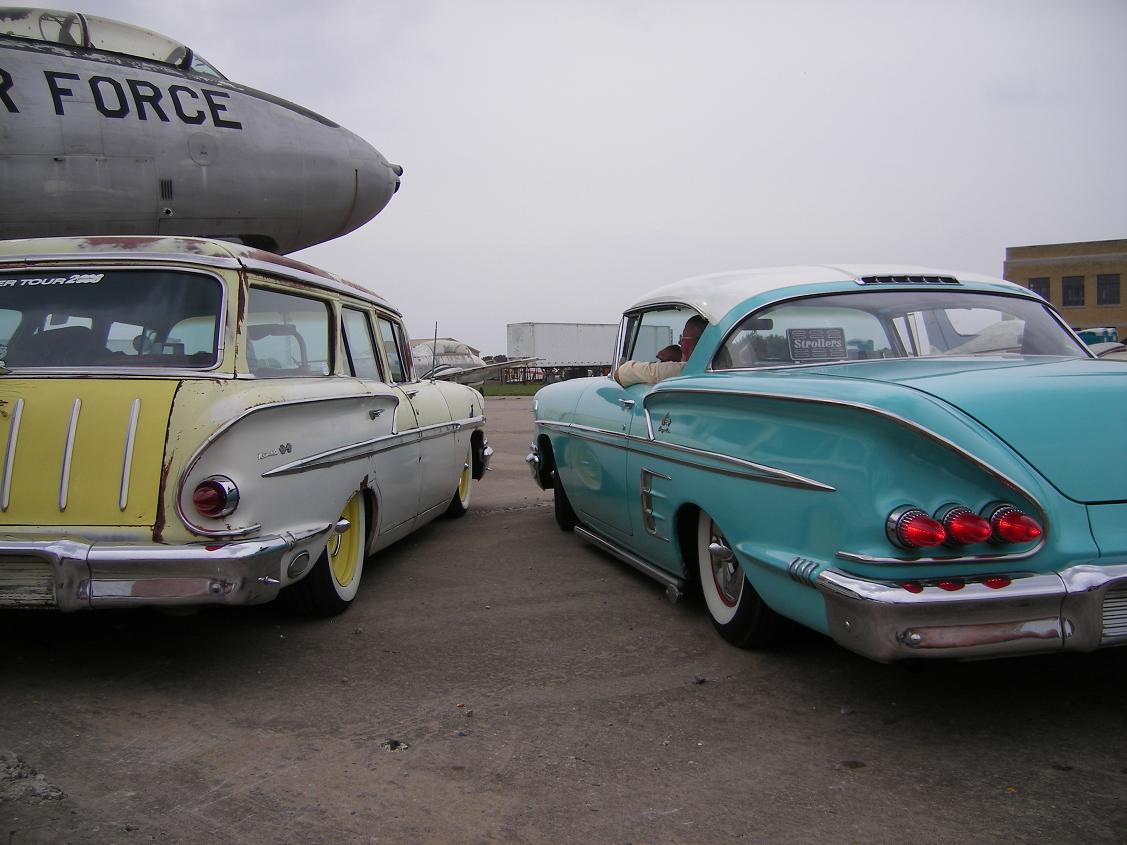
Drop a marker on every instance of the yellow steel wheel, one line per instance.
(345, 547)
(460, 501)
(330, 586)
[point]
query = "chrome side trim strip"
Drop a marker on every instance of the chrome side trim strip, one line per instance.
(740, 468)
(880, 412)
(233, 532)
(127, 461)
(387, 442)
(68, 454)
(860, 558)
(10, 455)
(671, 582)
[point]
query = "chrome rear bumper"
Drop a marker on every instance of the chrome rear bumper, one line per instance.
(1079, 609)
(69, 575)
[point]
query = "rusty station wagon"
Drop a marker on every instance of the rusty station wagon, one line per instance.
(191, 422)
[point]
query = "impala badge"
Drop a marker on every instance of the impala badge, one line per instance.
(666, 421)
(283, 449)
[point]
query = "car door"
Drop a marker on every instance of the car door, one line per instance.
(592, 461)
(395, 462)
(437, 466)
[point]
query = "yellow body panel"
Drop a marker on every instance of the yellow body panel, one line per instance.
(109, 450)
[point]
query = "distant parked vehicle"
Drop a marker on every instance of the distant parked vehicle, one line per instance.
(917, 463)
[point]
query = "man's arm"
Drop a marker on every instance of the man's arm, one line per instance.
(646, 372)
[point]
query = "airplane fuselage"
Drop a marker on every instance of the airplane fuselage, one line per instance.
(97, 143)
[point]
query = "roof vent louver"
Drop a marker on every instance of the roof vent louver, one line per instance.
(908, 280)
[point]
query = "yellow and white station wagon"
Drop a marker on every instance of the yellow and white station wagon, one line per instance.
(190, 422)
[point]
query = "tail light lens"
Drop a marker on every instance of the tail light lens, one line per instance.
(963, 526)
(1011, 525)
(216, 496)
(912, 528)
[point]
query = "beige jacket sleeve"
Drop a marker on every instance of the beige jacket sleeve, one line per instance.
(646, 372)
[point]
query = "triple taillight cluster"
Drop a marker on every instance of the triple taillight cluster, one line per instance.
(957, 525)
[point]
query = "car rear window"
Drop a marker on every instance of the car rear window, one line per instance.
(894, 324)
(80, 319)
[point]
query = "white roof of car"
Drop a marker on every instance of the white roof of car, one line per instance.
(716, 294)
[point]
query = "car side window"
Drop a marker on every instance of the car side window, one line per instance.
(391, 338)
(651, 335)
(805, 333)
(287, 335)
(358, 344)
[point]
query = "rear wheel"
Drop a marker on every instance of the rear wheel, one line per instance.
(331, 585)
(565, 515)
(460, 503)
(738, 613)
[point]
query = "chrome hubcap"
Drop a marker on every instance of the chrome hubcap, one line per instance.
(726, 572)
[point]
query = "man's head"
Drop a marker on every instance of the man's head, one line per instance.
(694, 326)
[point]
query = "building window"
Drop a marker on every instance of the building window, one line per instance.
(1107, 289)
(1040, 286)
(1072, 290)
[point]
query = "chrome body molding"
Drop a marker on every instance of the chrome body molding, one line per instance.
(913, 560)
(68, 454)
(127, 459)
(674, 586)
(83, 576)
(880, 412)
(649, 517)
(10, 455)
(1079, 609)
(683, 455)
(376, 445)
(802, 570)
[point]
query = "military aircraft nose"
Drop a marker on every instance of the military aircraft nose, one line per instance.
(375, 182)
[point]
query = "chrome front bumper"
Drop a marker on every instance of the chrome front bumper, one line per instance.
(69, 575)
(1079, 609)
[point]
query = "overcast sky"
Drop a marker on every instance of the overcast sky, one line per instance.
(563, 158)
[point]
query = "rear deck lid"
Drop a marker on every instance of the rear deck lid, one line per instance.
(83, 451)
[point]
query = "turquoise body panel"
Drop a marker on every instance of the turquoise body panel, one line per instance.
(801, 466)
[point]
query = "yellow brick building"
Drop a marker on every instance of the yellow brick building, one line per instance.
(1083, 280)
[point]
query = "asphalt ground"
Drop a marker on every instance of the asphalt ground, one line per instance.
(498, 680)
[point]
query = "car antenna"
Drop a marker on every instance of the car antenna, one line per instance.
(434, 353)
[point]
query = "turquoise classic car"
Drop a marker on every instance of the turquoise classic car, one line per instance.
(903, 459)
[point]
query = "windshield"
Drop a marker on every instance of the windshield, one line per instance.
(115, 318)
(894, 324)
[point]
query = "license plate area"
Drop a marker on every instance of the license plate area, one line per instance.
(26, 581)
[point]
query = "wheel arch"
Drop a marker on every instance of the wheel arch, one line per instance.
(547, 467)
(371, 502)
(685, 534)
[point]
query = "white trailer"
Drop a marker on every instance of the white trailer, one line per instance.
(563, 344)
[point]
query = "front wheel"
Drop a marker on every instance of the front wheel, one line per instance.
(561, 505)
(460, 503)
(738, 613)
(331, 585)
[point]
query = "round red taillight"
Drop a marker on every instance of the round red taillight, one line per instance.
(215, 497)
(912, 528)
(963, 526)
(1010, 525)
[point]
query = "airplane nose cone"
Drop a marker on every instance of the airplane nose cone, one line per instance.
(375, 179)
